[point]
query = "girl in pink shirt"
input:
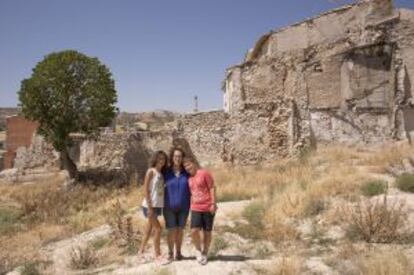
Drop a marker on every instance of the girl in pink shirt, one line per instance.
(203, 207)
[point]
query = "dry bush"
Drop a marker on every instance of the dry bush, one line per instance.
(287, 266)
(279, 232)
(384, 262)
(31, 268)
(377, 221)
(83, 257)
(123, 230)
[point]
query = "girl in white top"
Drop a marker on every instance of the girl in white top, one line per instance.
(154, 202)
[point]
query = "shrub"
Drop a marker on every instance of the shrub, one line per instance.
(374, 188)
(100, 243)
(254, 213)
(280, 232)
(314, 206)
(9, 220)
(219, 243)
(83, 257)
(123, 231)
(30, 268)
(377, 221)
(405, 183)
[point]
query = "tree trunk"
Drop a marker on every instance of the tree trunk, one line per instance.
(69, 165)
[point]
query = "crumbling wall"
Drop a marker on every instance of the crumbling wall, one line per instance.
(206, 136)
(342, 76)
(125, 153)
(39, 155)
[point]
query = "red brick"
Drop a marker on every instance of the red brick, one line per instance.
(19, 132)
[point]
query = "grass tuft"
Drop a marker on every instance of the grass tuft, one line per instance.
(374, 188)
(405, 183)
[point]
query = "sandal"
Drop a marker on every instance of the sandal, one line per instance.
(143, 259)
(160, 260)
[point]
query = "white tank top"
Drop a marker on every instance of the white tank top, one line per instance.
(156, 189)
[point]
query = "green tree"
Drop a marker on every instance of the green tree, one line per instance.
(68, 92)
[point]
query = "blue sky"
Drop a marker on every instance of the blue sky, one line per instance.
(161, 52)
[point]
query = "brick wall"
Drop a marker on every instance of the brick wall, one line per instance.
(19, 132)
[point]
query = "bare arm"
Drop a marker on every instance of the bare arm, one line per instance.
(212, 190)
(214, 199)
(147, 180)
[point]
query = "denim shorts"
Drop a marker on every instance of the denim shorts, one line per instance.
(156, 210)
(175, 218)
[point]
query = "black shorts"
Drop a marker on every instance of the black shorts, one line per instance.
(202, 220)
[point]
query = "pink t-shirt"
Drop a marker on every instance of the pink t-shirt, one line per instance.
(200, 185)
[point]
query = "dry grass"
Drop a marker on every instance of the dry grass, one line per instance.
(302, 188)
(384, 262)
(49, 213)
(287, 190)
(287, 266)
(386, 155)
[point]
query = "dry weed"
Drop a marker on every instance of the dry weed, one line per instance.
(83, 257)
(377, 221)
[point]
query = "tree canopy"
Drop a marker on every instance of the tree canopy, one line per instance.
(68, 92)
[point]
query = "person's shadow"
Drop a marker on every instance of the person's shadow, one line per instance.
(222, 258)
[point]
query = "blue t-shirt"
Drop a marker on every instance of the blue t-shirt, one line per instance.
(177, 191)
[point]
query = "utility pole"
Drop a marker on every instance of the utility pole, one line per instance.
(195, 110)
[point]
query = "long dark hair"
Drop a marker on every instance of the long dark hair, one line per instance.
(172, 150)
(157, 155)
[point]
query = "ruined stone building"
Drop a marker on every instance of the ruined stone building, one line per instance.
(344, 76)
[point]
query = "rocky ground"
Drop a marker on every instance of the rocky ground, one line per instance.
(234, 255)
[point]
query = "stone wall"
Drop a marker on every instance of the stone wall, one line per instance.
(345, 76)
(206, 135)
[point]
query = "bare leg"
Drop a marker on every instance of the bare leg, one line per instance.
(195, 234)
(171, 240)
(207, 235)
(157, 236)
(178, 240)
(147, 234)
